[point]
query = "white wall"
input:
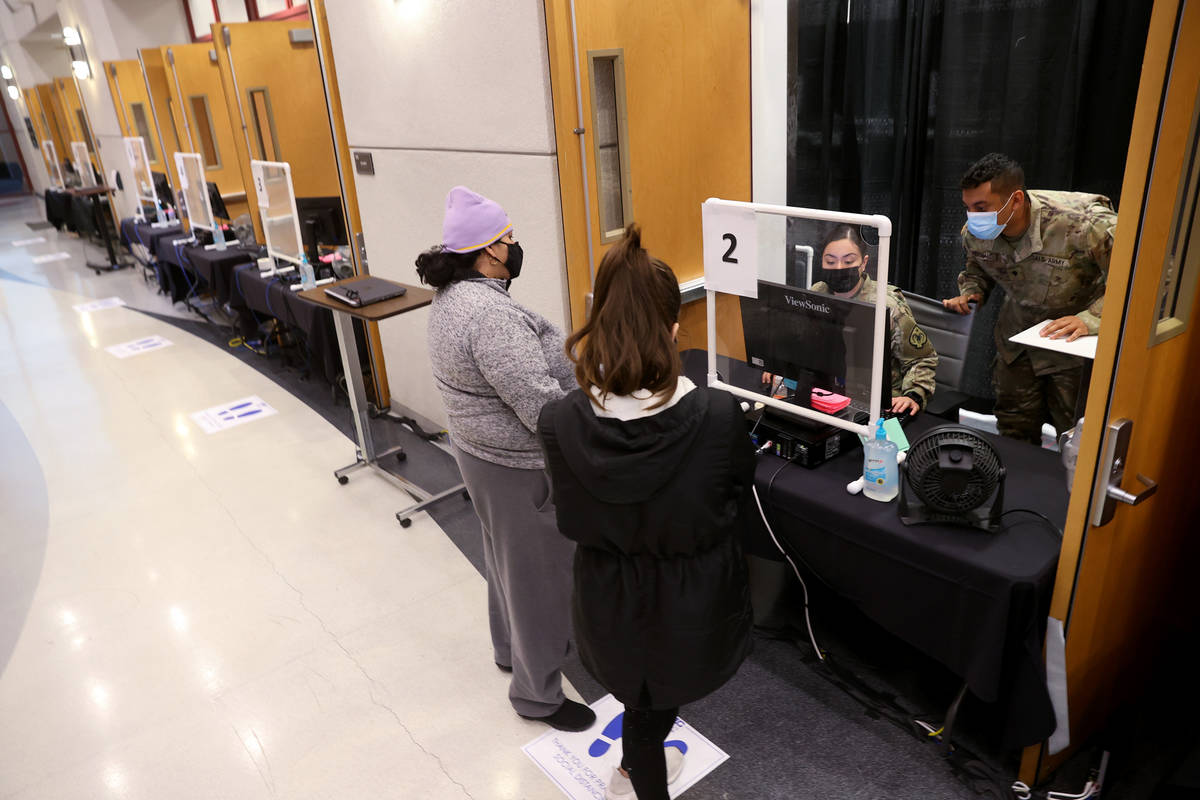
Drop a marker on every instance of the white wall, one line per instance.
(136, 24)
(444, 94)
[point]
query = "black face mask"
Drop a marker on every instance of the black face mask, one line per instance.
(515, 256)
(843, 280)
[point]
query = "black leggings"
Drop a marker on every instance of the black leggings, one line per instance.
(643, 732)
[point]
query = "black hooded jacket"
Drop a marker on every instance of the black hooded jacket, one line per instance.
(657, 506)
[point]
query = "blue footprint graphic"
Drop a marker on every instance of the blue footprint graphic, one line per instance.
(610, 734)
(678, 744)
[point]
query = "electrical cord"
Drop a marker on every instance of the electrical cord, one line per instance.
(1057, 530)
(807, 619)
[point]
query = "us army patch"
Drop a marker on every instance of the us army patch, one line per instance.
(1055, 261)
(917, 338)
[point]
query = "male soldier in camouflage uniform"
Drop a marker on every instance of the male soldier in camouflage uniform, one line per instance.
(914, 361)
(1052, 261)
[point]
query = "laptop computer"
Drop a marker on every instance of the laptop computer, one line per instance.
(364, 292)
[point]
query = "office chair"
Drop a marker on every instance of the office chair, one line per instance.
(950, 334)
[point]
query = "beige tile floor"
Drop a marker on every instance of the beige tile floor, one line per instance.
(212, 616)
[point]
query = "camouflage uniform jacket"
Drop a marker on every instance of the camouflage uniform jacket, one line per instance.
(1056, 268)
(914, 361)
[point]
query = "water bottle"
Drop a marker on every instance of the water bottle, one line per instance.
(308, 278)
(881, 474)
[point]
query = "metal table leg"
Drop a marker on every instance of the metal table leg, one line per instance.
(366, 456)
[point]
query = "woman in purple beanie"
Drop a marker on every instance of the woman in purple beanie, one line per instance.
(496, 363)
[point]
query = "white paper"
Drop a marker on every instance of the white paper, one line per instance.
(24, 242)
(580, 764)
(1056, 684)
(98, 305)
(232, 414)
(59, 256)
(139, 346)
(1084, 346)
(730, 249)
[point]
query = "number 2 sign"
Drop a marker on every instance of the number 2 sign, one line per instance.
(730, 249)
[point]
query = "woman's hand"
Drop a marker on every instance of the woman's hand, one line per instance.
(905, 405)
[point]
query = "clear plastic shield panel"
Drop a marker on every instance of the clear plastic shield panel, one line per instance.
(52, 166)
(83, 164)
(135, 151)
(798, 309)
(190, 168)
(277, 205)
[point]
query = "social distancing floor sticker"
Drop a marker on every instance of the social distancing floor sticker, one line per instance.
(139, 346)
(98, 305)
(232, 414)
(581, 764)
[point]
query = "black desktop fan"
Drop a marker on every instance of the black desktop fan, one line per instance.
(953, 473)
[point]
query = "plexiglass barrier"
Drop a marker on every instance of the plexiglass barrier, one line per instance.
(50, 154)
(277, 207)
(143, 181)
(83, 164)
(806, 341)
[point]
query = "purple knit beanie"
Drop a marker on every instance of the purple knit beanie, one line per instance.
(472, 221)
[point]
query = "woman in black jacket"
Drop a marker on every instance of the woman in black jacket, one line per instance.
(650, 476)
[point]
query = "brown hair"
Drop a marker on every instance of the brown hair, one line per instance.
(626, 343)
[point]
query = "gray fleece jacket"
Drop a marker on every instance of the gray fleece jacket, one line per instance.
(496, 364)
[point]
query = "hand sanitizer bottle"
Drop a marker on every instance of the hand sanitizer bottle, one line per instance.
(881, 475)
(308, 278)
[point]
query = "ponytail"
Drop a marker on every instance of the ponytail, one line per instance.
(439, 267)
(626, 344)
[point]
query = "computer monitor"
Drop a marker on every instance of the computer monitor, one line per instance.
(321, 222)
(814, 340)
(162, 187)
(217, 202)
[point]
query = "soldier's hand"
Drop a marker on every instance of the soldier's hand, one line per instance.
(961, 304)
(1070, 328)
(905, 405)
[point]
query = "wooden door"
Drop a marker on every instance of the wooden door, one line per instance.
(55, 120)
(276, 98)
(135, 112)
(77, 120)
(680, 73)
(157, 80)
(41, 126)
(1124, 587)
(194, 82)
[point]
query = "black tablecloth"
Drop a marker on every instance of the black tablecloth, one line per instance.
(215, 267)
(175, 272)
(144, 233)
(976, 602)
(58, 209)
(254, 295)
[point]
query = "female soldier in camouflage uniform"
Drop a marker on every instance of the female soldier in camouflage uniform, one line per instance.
(914, 361)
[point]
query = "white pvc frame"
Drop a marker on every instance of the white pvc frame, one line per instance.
(884, 226)
(194, 209)
(143, 185)
(81, 159)
(264, 204)
(50, 154)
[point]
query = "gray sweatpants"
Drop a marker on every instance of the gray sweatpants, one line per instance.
(528, 570)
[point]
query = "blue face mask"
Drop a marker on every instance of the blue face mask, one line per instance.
(984, 224)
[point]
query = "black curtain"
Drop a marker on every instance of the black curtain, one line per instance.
(889, 109)
(891, 100)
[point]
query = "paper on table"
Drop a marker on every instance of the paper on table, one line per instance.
(1084, 346)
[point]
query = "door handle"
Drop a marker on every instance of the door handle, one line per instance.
(1134, 498)
(1108, 491)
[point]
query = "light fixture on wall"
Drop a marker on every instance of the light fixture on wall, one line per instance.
(10, 82)
(74, 43)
